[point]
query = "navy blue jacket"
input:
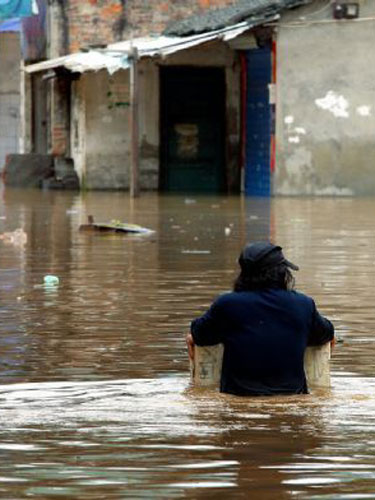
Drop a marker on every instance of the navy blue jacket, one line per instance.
(265, 334)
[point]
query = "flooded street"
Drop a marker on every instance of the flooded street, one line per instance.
(95, 400)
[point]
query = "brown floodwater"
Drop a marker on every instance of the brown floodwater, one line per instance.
(95, 400)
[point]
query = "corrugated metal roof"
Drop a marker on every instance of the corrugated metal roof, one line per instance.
(115, 56)
(165, 45)
(80, 62)
(252, 11)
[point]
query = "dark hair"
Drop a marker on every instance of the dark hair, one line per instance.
(275, 277)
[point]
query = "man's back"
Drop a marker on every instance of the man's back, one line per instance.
(265, 333)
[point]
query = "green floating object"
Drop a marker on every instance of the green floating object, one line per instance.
(51, 280)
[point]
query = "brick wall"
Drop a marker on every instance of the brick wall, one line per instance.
(151, 16)
(93, 22)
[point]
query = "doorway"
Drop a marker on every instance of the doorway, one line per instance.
(192, 129)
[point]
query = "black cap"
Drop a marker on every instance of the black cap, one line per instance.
(261, 255)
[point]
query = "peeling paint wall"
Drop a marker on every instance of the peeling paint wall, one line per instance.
(105, 161)
(78, 129)
(325, 103)
(10, 60)
(148, 124)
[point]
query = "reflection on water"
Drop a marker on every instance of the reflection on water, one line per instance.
(94, 393)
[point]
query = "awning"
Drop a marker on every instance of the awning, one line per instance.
(80, 62)
(165, 45)
(116, 56)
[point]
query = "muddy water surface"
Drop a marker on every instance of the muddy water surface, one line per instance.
(95, 400)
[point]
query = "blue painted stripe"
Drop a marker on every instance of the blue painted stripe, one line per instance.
(258, 123)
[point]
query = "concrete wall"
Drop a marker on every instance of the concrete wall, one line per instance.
(149, 124)
(100, 141)
(103, 153)
(10, 59)
(325, 103)
(78, 128)
(25, 129)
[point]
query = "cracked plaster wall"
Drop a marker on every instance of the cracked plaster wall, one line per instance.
(325, 106)
(105, 162)
(10, 58)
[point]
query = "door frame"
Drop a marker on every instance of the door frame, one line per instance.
(163, 168)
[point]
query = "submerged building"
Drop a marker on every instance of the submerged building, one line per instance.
(272, 97)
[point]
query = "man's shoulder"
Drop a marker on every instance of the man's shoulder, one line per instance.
(230, 296)
(302, 297)
(226, 297)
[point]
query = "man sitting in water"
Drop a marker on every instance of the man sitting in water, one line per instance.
(264, 325)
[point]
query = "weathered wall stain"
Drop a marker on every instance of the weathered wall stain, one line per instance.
(148, 150)
(325, 119)
(335, 104)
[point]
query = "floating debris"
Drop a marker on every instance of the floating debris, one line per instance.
(227, 231)
(196, 252)
(50, 283)
(51, 280)
(17, 237)
(115, 226)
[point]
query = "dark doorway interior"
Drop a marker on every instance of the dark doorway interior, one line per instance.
(192, 129)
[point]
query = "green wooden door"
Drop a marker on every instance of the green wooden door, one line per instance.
(192, 129)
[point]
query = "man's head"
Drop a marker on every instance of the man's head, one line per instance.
(263, 255)
(263, 265)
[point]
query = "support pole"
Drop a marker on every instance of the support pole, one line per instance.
(134, 125)
(24, 101)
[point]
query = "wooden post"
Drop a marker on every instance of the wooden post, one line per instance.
(24, 145)
(206, 369)
(134, 124)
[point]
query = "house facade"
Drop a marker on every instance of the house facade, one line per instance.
(270, 98)
(325, 114)
(10, 60)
